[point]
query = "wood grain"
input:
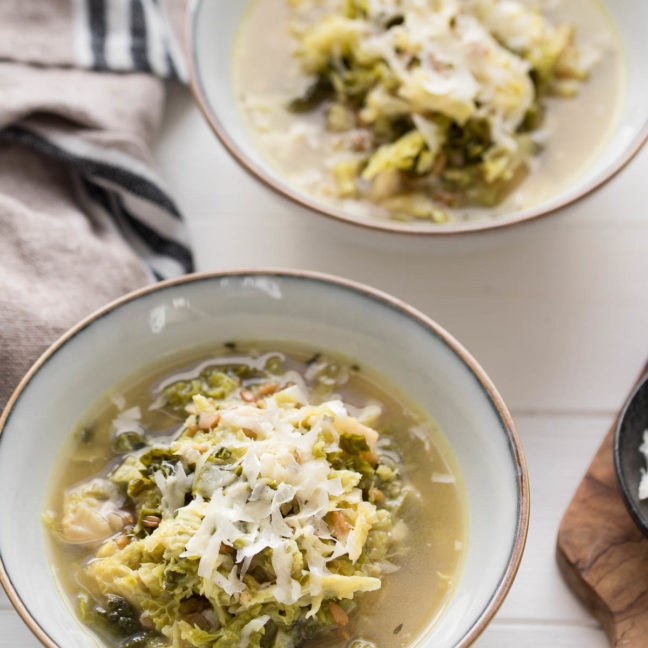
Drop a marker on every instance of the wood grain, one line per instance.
(603, 556)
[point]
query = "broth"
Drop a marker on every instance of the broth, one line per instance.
(410, 598)
(574, 131)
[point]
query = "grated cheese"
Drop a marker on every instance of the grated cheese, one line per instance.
(275, 496)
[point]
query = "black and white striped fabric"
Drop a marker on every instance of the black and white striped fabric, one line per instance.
(121, 190)
(128, 35)
(115, 187)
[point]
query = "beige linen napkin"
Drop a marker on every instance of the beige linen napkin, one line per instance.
(83, 217)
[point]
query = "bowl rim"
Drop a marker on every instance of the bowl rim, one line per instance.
(508, 426)
(626, 494)
(311, 204)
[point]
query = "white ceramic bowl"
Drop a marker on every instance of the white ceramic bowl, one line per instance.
(212, 30)
(274, 305)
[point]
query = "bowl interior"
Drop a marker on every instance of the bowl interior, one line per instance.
(276, 307)
(628, 461)
(214, 27)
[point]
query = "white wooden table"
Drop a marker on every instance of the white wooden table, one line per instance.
(556, 312)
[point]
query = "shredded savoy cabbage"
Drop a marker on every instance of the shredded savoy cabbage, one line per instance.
(257, 526)
(435, 101)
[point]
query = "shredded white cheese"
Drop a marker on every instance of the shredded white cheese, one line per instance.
(250, 628)
(173, 488)
(275, 496)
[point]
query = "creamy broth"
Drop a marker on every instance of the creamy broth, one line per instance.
(266, 74)
(430, 565)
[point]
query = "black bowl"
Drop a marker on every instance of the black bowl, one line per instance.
(628, 461)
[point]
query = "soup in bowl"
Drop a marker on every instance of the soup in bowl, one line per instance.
(438, 117)
(262, 459)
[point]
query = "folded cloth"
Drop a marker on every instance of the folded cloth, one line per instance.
(83, 215)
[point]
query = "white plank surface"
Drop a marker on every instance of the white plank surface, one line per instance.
(540, 635)
(556, 311)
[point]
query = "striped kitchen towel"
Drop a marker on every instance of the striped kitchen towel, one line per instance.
(84, 217)
(129, 35)
(81, 86)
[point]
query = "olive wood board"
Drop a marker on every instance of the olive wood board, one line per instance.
(602, 554)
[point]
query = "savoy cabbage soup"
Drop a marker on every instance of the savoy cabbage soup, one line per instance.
(262, 496)
(429, 110)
